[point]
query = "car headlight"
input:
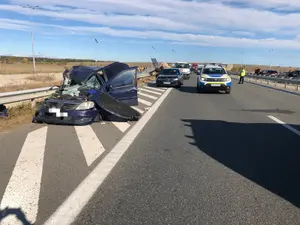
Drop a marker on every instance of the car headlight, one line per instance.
(85, 105)
(203, 79)
(228, 79)
(175, 79)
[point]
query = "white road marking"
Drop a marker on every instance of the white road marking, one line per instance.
(91, 146)
(285, 125)
(144, 102)
(137, 109)
(72, 206)
(148, 96)
(154, 89)
(23, 189)
(149, 91)
(122, 126)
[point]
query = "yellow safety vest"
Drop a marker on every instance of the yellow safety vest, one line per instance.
(243, 73)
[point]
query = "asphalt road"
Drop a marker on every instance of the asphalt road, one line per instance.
(201, 159)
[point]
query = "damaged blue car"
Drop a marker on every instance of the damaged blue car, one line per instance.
(90, 94)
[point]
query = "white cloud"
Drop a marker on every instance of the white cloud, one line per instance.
(185, 22)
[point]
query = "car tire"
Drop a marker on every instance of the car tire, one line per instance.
(178, 86)
(157, 85)
(228, 91)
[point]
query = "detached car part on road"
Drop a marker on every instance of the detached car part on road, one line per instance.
(91, 94)
(213, 78)
(170, 77)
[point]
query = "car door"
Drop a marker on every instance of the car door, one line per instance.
(124, 86)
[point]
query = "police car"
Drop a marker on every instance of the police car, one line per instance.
(213, 77)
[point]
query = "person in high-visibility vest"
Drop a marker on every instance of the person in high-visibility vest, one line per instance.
(242, 75)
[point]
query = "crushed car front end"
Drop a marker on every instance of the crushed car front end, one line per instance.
(66, 112)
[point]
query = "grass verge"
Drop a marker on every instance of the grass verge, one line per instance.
(23, 113)
(9, 88)
(44, 78)
(17, 115)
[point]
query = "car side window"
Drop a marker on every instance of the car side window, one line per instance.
(93, 82)
(126, 77)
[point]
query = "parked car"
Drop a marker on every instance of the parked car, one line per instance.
(185, 69)
(170, 77)
(90, 94)
(268, 73)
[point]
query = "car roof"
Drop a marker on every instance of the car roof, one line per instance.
(213, 66)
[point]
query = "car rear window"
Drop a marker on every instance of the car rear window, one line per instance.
(170, 72)
(180, 65)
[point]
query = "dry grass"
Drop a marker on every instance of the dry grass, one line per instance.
(44, 78)
(25, 68)
(9, 88)
(20, 114)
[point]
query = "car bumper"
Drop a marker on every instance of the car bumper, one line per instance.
(214, 86)
(74, 117)
(171, 83)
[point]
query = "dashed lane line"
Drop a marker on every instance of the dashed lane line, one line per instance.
(285, 125)
(148, 96)
(149, 91)
(138, 109)
(154, 89)
(122, 126)
(91, 146)
(23, 189)
(144, 102)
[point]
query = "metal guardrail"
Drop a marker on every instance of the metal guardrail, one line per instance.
(269, 80)
(32, 94)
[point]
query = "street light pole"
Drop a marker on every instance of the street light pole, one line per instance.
(32, 36)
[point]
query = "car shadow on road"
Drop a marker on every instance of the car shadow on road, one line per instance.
(14, 211)
(193, 89)
(265, 153)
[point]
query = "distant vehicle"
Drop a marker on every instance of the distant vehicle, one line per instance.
(268, 73)
(194, 67)
(184, 69)
(170, 77)
(213, 77)
(294, 74)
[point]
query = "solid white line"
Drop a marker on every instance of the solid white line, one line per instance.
(144, 102)
(71, 208)
(23, 189)
(122, 126)
(148, 96)
(91, 146)
(154, 89)
(137, 109)
(152, 92)
(285, 125)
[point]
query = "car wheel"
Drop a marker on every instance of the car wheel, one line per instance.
(178, 86)
(228, 91)
(157, 85)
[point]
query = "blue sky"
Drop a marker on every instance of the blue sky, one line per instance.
(228, 31)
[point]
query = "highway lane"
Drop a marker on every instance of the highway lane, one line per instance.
(208, 159)
(41, 165)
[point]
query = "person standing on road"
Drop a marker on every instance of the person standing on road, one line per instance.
(242, 75)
